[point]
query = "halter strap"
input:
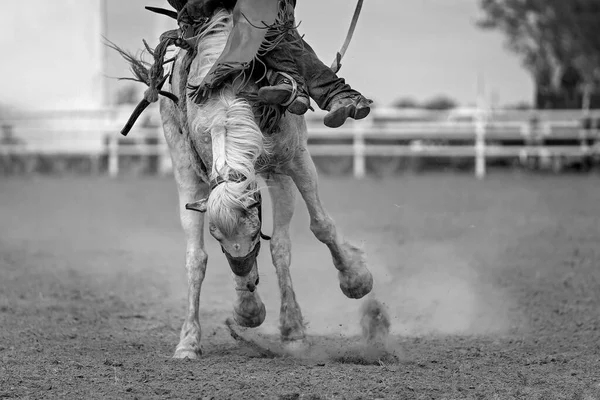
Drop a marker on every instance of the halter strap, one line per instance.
(219, 180)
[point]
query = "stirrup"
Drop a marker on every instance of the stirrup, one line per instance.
(292, 82)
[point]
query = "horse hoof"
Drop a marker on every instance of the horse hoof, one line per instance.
(187, 353)
(356, 286)
(250, 319)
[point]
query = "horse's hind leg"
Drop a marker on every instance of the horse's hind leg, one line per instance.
(283, 195)
(355, 279)
(190, 188)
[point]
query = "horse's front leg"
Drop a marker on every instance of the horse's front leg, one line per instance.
(190, 188)
(355, 279)
(283, 195)
(195, 264)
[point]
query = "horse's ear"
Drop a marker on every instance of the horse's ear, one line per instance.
(199, 206)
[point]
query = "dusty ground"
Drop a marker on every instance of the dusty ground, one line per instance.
(493, 289)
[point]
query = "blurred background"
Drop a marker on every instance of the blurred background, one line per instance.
(466, 84)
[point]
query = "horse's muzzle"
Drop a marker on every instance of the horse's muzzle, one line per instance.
(241, 266)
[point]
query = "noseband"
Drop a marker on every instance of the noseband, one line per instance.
(241, 266)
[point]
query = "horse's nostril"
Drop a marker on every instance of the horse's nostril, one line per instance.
(256, 283)
(251, 287)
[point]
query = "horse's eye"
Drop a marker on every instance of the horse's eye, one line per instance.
(214, 231)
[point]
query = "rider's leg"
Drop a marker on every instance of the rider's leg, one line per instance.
(288, 86)
(329, 91)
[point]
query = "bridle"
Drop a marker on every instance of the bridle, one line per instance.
(241, 266)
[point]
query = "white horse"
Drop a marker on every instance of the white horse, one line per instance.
(218, 153)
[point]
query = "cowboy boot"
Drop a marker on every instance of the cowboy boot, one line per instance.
(285, 92)
(344, 106)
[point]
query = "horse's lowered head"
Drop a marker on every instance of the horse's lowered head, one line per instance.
(235, 222)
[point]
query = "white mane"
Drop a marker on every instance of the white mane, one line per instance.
(237, 141)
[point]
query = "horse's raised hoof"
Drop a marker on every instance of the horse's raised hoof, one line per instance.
(356, 284)
(250, 317)
(182, 353)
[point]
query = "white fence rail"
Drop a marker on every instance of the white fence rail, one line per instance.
(386, 133)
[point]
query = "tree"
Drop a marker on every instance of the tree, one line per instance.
(405, 102)
(127, 94)
(521, 106)
(549, 35)
(440, 103)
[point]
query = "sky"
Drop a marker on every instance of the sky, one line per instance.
(51, 61)
(401, 48)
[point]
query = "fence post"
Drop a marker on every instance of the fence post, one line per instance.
(480, 125)
(584, 130)
(359, 150)
(526, 133)
(113, 155)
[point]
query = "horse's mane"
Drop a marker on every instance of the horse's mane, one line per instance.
(237, 141)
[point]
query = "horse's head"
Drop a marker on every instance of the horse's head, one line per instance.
(235, 222)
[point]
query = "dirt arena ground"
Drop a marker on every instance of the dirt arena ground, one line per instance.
(493, 289)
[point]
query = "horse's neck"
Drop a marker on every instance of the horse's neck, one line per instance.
(223, 128)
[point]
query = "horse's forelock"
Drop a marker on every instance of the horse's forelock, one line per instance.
(237, 141)
(227, 205)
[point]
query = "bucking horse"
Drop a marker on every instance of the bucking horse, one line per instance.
(220, 147)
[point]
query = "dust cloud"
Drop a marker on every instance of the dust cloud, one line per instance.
(420, 289)
(432, 290)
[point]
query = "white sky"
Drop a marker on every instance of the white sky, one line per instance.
(401, 48)
(416, 48)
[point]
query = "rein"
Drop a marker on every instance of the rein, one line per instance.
(337, 63)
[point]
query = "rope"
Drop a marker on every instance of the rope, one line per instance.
(337, 63)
